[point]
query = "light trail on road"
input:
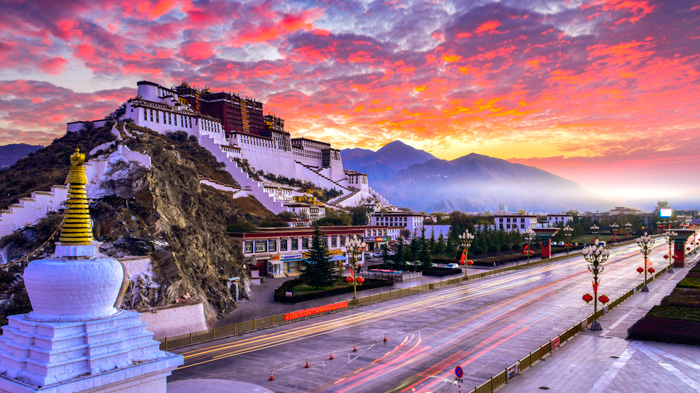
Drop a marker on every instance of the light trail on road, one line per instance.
(489, 313)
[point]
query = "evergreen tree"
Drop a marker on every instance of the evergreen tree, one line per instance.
(318, 272)
(385, 254)
(424, 254)
(440, 246)
(432, 243)
(399, 257)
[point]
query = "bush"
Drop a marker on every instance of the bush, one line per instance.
(241, 227)
(685, 313)
(280, 293)
(492, 249)
(516, 247)
(689, 282)
(666, 330)
(505, 248)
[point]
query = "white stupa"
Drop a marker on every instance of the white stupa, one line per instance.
(77, 339)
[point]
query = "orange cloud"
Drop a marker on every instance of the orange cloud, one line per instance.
(488, 26)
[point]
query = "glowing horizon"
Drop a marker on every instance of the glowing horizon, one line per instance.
(602, 92)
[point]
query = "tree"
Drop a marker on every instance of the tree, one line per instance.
(318, 272)
(385, 254)
(424, 254)
(359, 215)
(399, 258)
(440, 246)
(405, 233)
(241, 227)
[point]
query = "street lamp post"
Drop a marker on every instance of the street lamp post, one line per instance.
(595, 229)
(528, 235)
(645, 243)
(355, 246)
(596, 257)
(567, 234)
(613, 229)
(466, 240)
(670, 237)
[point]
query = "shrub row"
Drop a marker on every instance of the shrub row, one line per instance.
(666, 330)
(280, 293)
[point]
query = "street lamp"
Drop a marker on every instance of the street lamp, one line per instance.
(628, 230)
(528, 235)
(645, 244)
(670, 237)
(466, 240)
(567, 234)
(355, 246)
(613, 228)
(595, 229)
(596, 257)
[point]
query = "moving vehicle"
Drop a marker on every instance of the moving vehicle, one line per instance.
(452, 266)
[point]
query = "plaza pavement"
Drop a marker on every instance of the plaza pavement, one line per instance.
(605, 361)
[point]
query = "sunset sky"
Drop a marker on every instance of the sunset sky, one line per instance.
(603, 92)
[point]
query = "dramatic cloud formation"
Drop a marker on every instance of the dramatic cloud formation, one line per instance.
(605, 92)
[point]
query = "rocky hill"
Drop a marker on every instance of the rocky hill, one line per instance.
(162, 211)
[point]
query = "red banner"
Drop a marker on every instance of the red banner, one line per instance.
(315, 310)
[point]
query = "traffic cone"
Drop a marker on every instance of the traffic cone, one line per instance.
(354, 348)
(272, 378)
(307, 363)
(331, 358)
(384, 337)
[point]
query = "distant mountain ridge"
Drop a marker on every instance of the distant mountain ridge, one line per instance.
(385, 162)
(473, 182)
(9, 154)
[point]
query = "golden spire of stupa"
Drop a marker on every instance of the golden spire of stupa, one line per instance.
(77, 228)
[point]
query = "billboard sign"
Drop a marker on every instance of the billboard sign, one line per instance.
(665, 212)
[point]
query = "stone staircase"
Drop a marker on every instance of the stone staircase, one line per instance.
(253, 187)
(31, 209)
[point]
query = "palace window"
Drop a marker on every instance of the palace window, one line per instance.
(295, 244)
(283, 244)
(248, 247)
(305, 243)
(260, 246)
(334, 241)
(145, 114)
(342, 241)
(272, 245)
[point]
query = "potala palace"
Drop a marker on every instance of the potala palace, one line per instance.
(235, 130)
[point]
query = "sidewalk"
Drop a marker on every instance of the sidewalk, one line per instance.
(605, 361)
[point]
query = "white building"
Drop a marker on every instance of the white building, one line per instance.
(437, 230)
(515, 222)
(272, 150)
(557, 219)
(413, 222)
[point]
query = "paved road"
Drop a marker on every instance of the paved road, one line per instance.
(483, 326)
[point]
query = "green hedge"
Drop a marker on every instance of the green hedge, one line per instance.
(689, 282)
(668, 312)
(288, 285)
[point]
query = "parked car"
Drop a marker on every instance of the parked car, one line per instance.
(368, 255)
(452, 266)
(433, 265)
(390, 253)
(377, 254)
(561, 244)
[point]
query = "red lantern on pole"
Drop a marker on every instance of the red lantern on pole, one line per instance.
(360, 280)
(532, 252)
(348, 278)
(587, 298)
(470, 262)
(651, 270)
(525, 252)
(640, 270)
(665, 256)
(604, 299)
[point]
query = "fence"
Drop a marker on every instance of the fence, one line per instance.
(502, 378)
(397, 277)
(277, 320)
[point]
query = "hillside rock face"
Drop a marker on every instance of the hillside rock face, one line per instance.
(165, 213)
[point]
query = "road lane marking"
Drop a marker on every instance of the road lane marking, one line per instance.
(601, 385)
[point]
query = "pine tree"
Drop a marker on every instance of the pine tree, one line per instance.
(318, 272)
(424, 254)
(440, 246)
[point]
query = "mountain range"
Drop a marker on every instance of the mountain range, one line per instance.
(413, 178)
(9, 154)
